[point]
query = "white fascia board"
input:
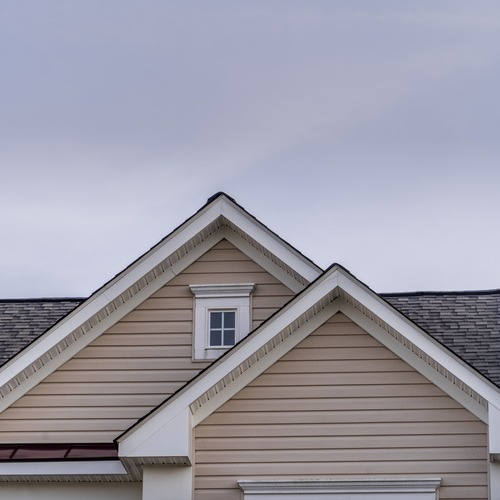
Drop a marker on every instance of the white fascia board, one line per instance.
(120, 284)
(389, 315)
(63, 468)
(97, 330)
(109, 293)
(270, 241)
(217, 371)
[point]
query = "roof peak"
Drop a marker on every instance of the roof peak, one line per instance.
(218, 195)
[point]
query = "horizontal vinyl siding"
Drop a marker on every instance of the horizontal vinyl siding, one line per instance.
(341, 405)
(137, 363)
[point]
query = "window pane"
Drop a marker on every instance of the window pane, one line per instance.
(228, 337)
(215, 338)
(229, 319)
(215, 320)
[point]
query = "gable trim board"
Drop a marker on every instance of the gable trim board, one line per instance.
(217, 220)
(161, 443)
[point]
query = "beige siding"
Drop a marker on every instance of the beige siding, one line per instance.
(341, 405)
(135, 365)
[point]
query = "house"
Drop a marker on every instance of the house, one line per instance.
(224, 364)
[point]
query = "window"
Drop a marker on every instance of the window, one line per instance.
(221, 317)
(221, 328)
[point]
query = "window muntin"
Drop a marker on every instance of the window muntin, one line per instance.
(222, 328)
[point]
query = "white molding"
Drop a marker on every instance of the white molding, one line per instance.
(343, 489)
(223, 296)
(222, 290)
(63, 468)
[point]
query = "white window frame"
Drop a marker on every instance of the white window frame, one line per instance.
(222, 297)
(341, 489)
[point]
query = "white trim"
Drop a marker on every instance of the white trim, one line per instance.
(208, 298)
(227, 290)
(62, 468)
(494, 480)
(163, 482)
(342, 489)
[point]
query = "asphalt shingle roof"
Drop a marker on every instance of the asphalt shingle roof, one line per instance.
(24, 320)
(467, 323)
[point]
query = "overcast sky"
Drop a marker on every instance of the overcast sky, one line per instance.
(363, 132)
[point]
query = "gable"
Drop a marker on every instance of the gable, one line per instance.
(138, 362)
(337, 405)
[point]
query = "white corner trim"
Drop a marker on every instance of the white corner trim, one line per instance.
(400, 488)
(62, 468)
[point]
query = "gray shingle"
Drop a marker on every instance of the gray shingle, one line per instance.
(24, 320)
(467, 323)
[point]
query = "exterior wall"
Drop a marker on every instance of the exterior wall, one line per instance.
(73, 491)
(136, 364)
(341, 405)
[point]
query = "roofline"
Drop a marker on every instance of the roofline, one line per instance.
(128, 288)
(493, 291)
